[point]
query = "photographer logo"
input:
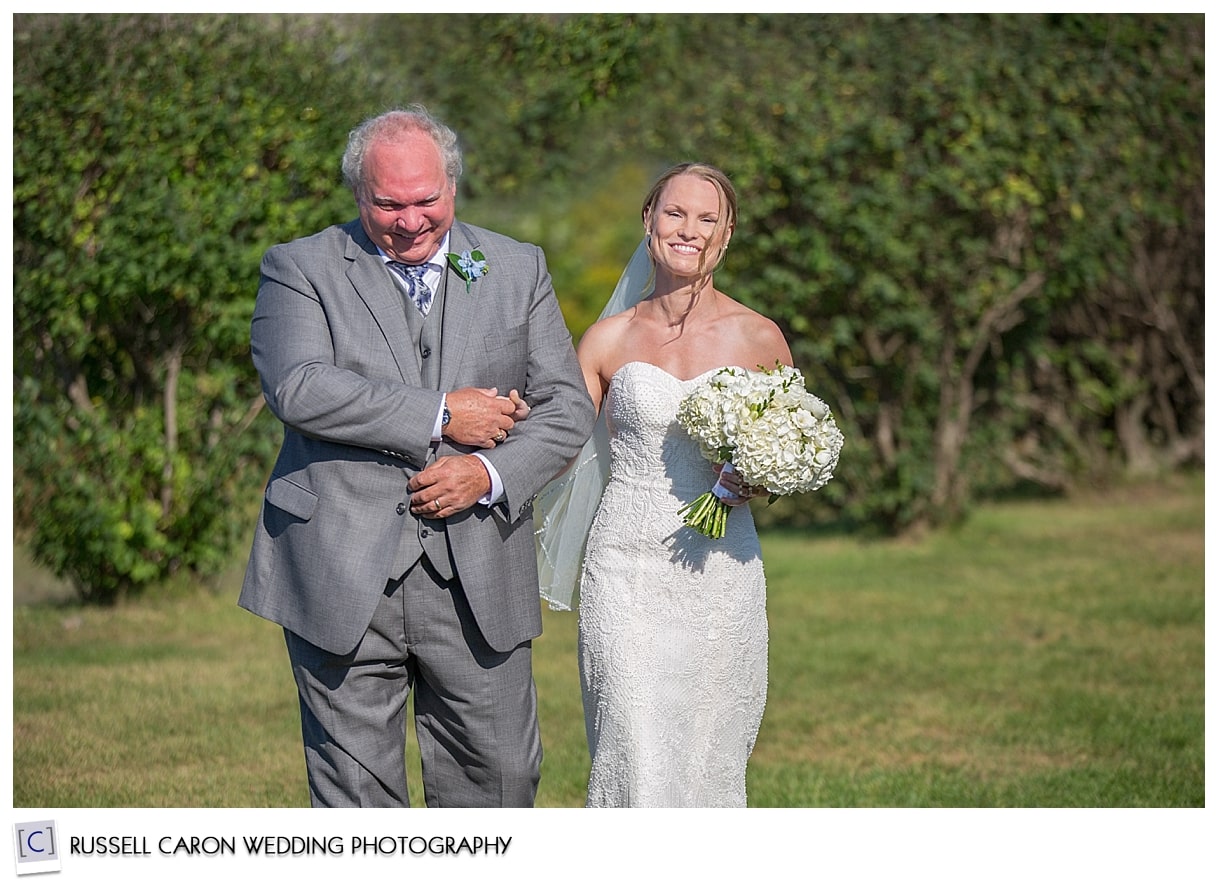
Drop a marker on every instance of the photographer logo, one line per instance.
(36, 847)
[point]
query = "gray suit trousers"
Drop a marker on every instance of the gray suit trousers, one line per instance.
(475, 708)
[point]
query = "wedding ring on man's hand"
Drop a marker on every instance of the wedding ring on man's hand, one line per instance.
(500, 436)
(436, 504)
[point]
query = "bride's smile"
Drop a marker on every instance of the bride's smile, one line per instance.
(685, 229)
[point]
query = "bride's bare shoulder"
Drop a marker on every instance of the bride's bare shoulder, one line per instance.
(602, 345)
(761, 334)
(606, 332)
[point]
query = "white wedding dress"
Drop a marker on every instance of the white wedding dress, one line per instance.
(672, 624)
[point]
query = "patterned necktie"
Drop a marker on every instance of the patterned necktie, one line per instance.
(416, 288)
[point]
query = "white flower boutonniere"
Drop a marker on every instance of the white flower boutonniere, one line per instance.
(469, 265)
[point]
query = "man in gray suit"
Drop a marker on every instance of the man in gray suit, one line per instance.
(395, 545)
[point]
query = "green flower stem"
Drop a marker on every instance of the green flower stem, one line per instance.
(707, 514)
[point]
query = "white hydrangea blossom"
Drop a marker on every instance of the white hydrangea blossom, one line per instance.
(775, 433)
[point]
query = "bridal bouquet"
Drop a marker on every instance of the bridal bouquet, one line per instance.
(767, 427)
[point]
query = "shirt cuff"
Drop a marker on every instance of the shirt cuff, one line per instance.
(437, 431)
(496, 492)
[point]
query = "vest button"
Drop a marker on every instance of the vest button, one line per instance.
(401, 508)
(426, 351)
(424, 533)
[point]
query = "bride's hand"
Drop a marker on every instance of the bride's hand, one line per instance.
(729, 480)
(522, 408)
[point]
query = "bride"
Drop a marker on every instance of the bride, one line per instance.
(672, 624)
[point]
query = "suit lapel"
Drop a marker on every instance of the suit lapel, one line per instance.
(460, 308)
(372, 283)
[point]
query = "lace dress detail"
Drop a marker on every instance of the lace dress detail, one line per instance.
(672, 625)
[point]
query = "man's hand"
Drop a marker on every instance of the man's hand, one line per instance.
(449, 485)
(481, 417)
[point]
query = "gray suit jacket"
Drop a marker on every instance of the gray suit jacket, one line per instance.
(331, 344)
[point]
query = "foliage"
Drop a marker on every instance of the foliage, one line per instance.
(941, 211)
(524, 91)
(982, 234)
(1132, 346)
(924, 197)
(154, 158)
(589, 229)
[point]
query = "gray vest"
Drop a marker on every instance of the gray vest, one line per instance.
(427, 537)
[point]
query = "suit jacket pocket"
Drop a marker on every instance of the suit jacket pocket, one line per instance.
(290, 497)
(506, 358)
(514, 339)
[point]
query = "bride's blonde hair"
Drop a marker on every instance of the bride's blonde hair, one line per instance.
(727, 211)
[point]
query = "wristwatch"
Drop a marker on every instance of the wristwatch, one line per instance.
(446, 418)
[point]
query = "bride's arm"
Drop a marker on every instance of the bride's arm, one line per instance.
(595, 347)
(599, 354)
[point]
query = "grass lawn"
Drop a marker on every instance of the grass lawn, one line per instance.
(1046, 653)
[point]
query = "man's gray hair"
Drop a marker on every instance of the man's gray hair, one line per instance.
(390, 126)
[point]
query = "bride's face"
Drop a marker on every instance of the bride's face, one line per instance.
(686, 237)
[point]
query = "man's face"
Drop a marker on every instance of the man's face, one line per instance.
(408, 201)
